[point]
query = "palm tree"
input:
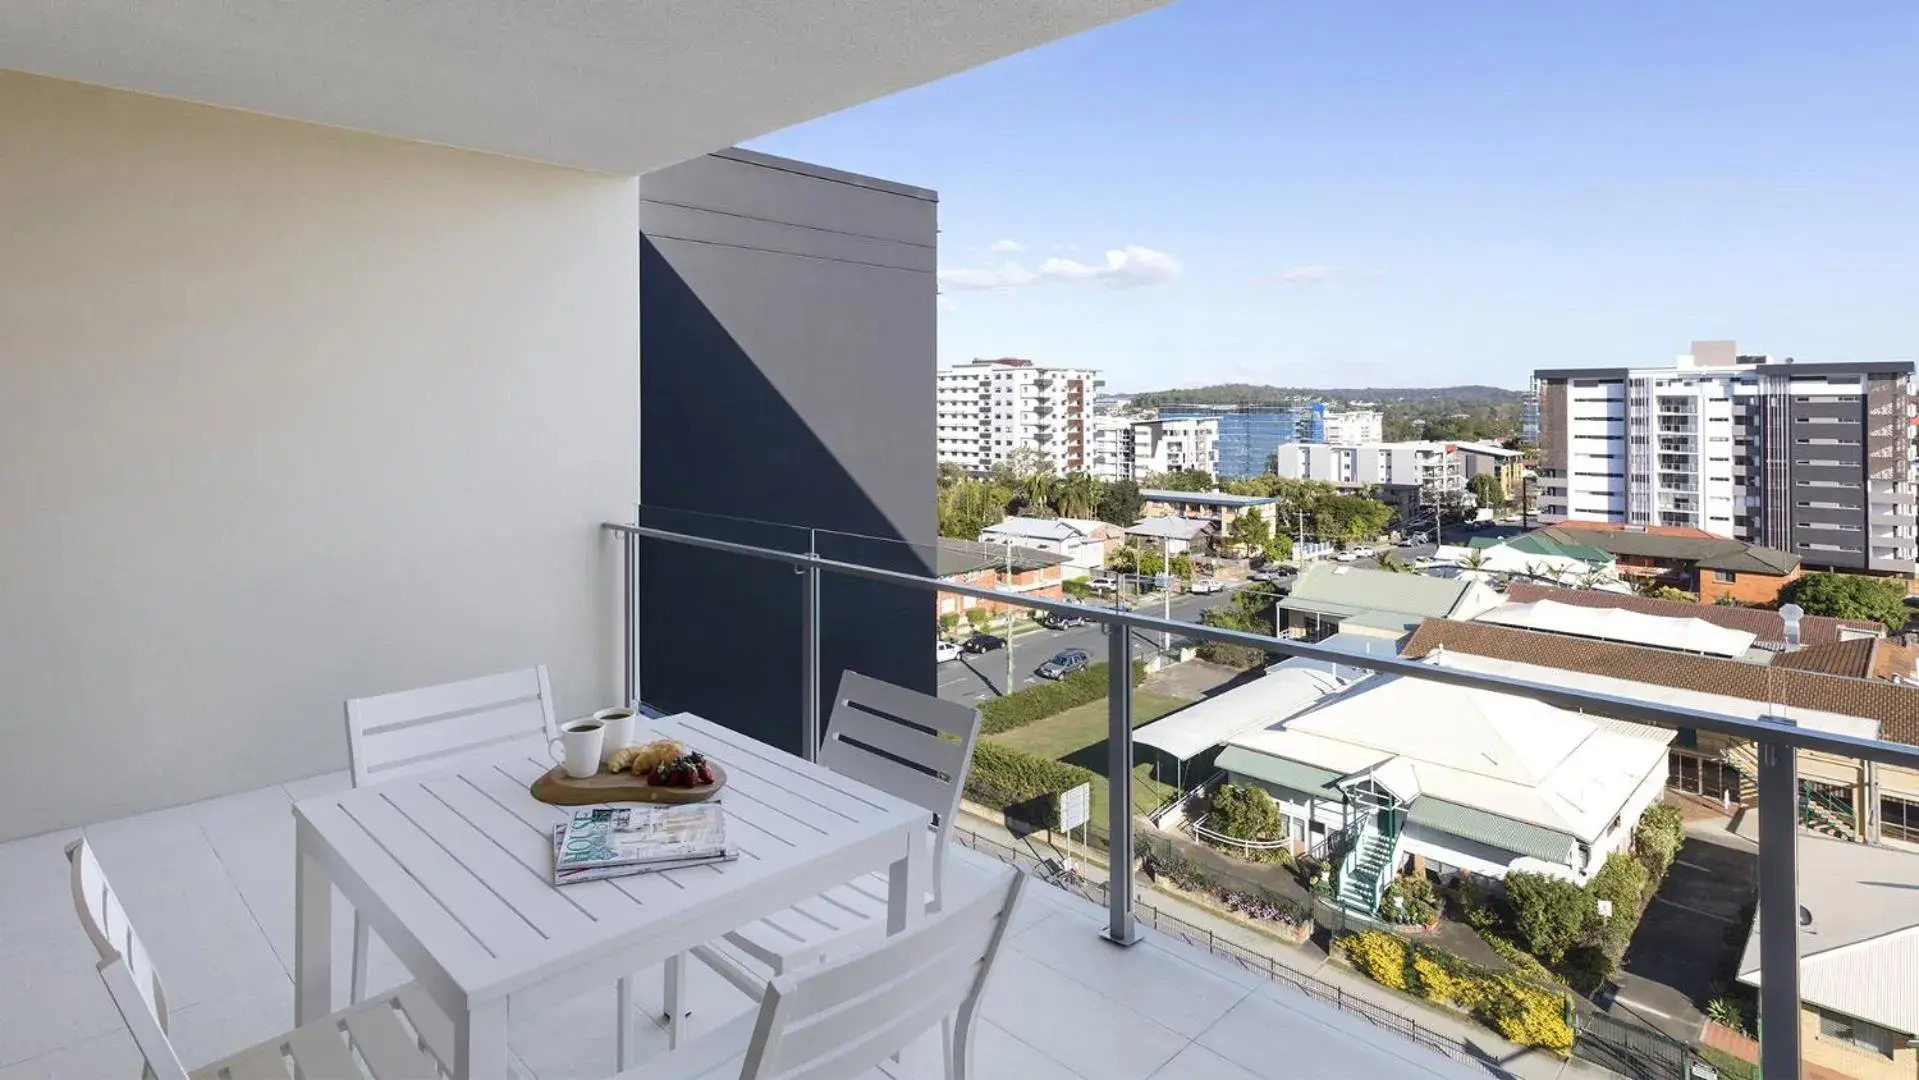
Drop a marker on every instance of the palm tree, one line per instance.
(1393, 564)
(1593, 578)
(1036, 493)
(1077, 496)
(1474, 559)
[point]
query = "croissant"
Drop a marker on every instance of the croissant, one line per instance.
(622, 759)
(657, 752)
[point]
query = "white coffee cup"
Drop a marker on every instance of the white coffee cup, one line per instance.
(577, 750)
(619, 729)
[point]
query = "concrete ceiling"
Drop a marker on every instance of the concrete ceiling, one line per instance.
(621, 86)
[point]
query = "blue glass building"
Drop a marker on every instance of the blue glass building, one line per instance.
(1249, 434)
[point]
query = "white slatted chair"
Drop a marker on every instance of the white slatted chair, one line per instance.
(905, 743)
(437, 729)
(839, 1019)
(399, 1036)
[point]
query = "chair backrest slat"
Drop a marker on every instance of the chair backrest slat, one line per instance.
(125, 967)
(836, 1020)
(434, 728)
(908, 744)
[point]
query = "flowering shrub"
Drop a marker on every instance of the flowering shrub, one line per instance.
(1522, 1013)
(1265, 905)
(1409, 900)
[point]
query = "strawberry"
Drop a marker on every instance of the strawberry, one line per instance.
(706, 773)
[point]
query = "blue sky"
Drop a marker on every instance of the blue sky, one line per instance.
(1410, 193)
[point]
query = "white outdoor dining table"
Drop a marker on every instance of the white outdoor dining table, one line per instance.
(453, 871)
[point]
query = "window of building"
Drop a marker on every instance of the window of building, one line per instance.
(1899, 819)
(1860, 1034)
(1724, 577)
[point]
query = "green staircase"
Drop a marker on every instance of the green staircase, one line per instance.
(1364, 871)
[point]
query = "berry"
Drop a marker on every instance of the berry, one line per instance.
(706, 773)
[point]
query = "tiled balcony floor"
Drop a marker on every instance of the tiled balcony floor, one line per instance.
(210, 887)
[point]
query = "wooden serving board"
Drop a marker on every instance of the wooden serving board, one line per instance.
(558, 789)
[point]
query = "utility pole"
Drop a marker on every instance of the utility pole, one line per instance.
(1166, 565)
(1009, 619)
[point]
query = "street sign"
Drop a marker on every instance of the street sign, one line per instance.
(1075, 807)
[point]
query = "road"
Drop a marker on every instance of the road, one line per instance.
(974, 678)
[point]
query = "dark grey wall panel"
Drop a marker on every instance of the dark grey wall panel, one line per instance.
(787, 328)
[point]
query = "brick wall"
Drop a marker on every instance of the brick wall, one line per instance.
(1745, 588)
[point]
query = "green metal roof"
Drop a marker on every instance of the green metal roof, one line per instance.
(1538, 543)
(1506, 834)
(1345, 590)
(1382, 620)
(1279, 772)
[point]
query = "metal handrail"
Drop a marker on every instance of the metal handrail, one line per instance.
(1783, 732)
(1777, 741)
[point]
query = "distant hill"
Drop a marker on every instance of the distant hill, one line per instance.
(1250, 394)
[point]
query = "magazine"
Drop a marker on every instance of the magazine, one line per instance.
(599, 873)
(628, 837)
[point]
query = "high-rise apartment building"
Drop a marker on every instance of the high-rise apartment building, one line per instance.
(1169, 444)
(1353, 427)
(1409, 475)
(1814, 459)
(1109, 445)
(989, 408)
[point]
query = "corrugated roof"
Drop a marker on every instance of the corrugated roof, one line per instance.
(1711, 552)
(1033, 528)
(1518, 837)
(1343, 590)
(1171, 528)
(1619, 624)
(1208, 498)
(1533, 543)
(1767, 626)
(1272, 697)
(1279, 772)
(1860, 955)
(1895, 707)
(965, 556)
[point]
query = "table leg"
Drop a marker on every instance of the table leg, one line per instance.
(480, 1051)
(906, 884)
(312, 933)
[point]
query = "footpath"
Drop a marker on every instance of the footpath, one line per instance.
(1204, 929)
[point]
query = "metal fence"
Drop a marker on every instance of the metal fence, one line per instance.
(1262, 964)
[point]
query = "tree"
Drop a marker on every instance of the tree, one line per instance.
(1077, 495)
(1150, 563)
(1277, 550)
(1550, 913)
(1347, 518)
(1244, 812)
(1183, 567)
(1023, 462)
(1249, 531)
(1474, 559)
(1119, 502)
(1181, 480)
(1035, 494)
(1852, 596)
(1487, 491)
(951, 474)
(967, 507)
(1393, 564)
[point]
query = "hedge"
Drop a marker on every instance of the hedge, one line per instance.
(1020, 783)
(1022, 707)
(1524, 1014)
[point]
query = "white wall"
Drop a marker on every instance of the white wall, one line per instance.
(287, 415)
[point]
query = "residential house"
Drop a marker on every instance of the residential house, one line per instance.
(1839, 796)
(1858, 932)
(1447, 779)
(1714, 567)
(1530, 556)
(1767, 626)
(1082, 542)
(996, 566)
(1171, 535)
(1334, 597)
(1212, 507)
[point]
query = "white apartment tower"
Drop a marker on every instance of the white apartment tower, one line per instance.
(1813, 459)
(1355, 427)
(1163, 446)
(989, 408)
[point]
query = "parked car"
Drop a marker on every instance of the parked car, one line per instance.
(1346, 556)
(1054, 620)
(980, 643)
(1102, 584)
(1267, 575)
(1363, 551)
(944, 651)
(1064, 663)
(1206, 585)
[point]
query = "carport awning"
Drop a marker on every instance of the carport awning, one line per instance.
(1504, 833)
(1275, 696)
(1280, 772)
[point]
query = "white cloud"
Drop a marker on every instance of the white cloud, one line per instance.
(1006, 246)
(1304, 275)
(1132, 266)
(945, 303)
